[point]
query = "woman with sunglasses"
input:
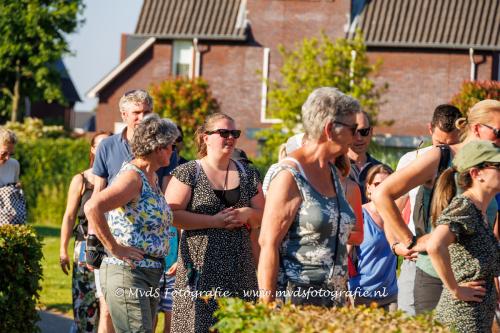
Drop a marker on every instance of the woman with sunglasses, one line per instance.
(217, 202)
(307, 219)
(462, 247)
(135, 230)
(422, 171)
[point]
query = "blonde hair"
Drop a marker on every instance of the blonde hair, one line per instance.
(7, 136)
(208, 126)
(480, 113)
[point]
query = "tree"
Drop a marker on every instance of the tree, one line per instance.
(32, 40)
(315, 63)
(187, 102)
(472, 92)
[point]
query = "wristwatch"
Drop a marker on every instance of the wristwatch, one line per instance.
(412, 243)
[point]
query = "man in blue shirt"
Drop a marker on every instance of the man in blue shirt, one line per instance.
(111, 154)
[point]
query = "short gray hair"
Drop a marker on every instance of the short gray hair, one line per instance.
(7, 136)
(325, 105)
(136, 97)
(153, 133)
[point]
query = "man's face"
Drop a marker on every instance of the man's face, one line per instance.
(6, 151)
(360, 143)
(132, 114)
(440, 137)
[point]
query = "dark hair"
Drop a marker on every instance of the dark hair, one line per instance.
(207, 126)
(373, 171)
(444, 117)
(445, 189)
(92, 145)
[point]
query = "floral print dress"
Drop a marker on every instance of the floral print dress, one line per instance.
(314, 251)
(474, 256)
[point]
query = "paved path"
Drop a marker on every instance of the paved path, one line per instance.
(54, 323)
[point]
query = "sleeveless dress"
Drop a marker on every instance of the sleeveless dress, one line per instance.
(474, 256)
(211, 258)
(83, 288)
(314, 252)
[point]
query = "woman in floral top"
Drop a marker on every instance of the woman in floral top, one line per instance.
(136, 232)
(307, 219)
(462, 247)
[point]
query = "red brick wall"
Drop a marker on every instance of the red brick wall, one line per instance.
(152, 66)
(418, 82)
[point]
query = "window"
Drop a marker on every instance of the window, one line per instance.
(183, 58)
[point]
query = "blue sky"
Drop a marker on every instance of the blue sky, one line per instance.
(96, 44)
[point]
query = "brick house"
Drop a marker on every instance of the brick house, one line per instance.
(424, 47)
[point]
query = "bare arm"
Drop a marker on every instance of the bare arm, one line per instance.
(99, 185)
(438, 251)
(282, 201)
(399, 183)
(68, 222)
(123, 190)
(354, 199)
(178, 196)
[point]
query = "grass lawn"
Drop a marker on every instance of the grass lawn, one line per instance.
(56, 286)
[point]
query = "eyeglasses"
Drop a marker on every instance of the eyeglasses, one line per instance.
(496, 131)
(179, 139)
(364, 131)
(225, 133)
(353, 128)
(490, 165)
(4, 154)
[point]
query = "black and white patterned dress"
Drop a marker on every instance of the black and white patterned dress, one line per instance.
(211, 258)
(474, 256)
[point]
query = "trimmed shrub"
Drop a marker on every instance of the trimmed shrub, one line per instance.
(472, 92)
(20, 274)
(47, 166)
(235, 315)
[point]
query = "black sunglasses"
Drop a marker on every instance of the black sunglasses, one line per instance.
(352, 128)
(496, 131)
(489, 165)
(225, 133)
(364, 131)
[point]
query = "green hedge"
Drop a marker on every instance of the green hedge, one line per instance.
(236, 316)
(20, 274)
(47, 166)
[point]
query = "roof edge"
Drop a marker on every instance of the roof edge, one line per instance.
(94, 91)
(432, 46)
(200, 37)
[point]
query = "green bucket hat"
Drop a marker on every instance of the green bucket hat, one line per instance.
(475, 153)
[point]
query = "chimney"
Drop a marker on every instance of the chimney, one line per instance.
(123, 49)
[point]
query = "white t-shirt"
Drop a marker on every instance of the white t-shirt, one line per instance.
(9, 172)
(404, 161)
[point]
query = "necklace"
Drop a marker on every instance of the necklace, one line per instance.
(225, 179)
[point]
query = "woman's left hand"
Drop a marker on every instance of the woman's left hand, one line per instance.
(172, 270)
(243, 216)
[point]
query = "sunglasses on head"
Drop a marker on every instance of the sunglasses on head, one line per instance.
(224, 133)
(352, 128)
(496, 131)
(364, 131)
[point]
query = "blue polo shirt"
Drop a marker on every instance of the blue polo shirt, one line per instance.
(113, 151)
(358, 175)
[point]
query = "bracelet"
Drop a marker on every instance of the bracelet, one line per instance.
(393, 248)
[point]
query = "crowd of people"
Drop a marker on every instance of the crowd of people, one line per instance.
(325, 229)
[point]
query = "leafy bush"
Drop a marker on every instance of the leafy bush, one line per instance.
(20, 274)
(33, 128)
(187, 102)
(47, 166)
(236, 316)
(472, 92)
